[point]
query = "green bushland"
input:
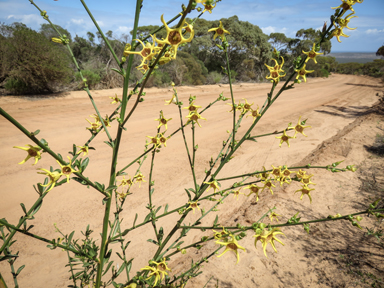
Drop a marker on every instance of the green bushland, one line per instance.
(29, 62)
(198, 62)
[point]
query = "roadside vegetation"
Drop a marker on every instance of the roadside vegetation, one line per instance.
(42, 66)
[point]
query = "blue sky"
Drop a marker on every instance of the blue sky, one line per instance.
(271, 16)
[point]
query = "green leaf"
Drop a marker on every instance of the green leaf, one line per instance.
(37, 208)
(166, 209)
(19, 270)
(157, 210)
(216, 219)
(134, 221)
(121, 269)
(189, 194)
(112, 187)
(152, 241)
(147, 217)
(35, 133)
(100, 186)
(70, 237)
(118, 71)
(110, 144)
(23, 207)
(109, 266)
(84, 164)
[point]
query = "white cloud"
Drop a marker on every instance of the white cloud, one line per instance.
(374, 31)
(101, 23)
(268, 30)
(77, 21)
(124, 29)
(27, 19)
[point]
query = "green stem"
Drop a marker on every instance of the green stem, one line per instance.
(15, 228)
(233, 101)
(293, 167)
(101, 32)
(104, 234)
(14, 273)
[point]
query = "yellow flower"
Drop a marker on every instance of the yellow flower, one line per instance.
(53, 178)
(175, 36)
(236, 194)
(254, 190)
(83, 149)
(56, 40)
(195, 117)
(338, 32)
(344, 22)
(265, 174)
(284, 138)
(139, 178)
(266, 236)
(274, 215)
(219, 235)
(159, 271)
(275, 71)
(163, 121)
(94, 126)
(208, 7)
(276, 171)
(66, 170)
(235, 107)
(231, 246)
(147, 52)
(193, 206)
(268, 184)
(347, 5)
(312, 54)
(255, 113)
(163, 139)
(301, 173)
(155, 141)
(306, 180)
(213, 185)
(219, 32)
(283, 180)
(287, 173)
(115, 99)
(143, 67)
(125, 182)
(299, 128)
(246, 107)
(302, 73)
(305, 191)
(192, 107)
(33, 151)
(173, 100)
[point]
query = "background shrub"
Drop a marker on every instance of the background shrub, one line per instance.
(24, 67)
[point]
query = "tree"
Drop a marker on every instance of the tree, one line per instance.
(30, 63)
(380, 51)
(49, 32)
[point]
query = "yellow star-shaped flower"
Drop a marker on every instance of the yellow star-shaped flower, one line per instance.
(302, 73)
(284, 138)
(312, 54)
(219, 32)
(33, 152)
(231, 246)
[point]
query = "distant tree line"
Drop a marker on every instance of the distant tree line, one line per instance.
(31, 63)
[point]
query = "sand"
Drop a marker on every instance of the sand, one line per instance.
(339, 110)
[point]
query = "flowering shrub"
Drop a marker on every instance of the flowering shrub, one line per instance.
(95, 256)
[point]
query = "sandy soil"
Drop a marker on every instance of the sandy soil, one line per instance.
(343, 125)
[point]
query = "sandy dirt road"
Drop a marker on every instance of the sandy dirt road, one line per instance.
(329, 104)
